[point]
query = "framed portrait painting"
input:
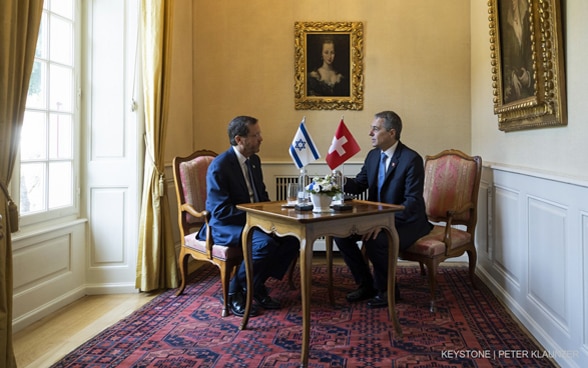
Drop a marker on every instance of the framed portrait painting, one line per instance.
(328, 66)
(527, 58)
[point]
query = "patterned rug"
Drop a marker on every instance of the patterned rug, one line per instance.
(470, 329)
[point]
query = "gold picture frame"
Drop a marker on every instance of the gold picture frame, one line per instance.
(528, 81)
(334, 84)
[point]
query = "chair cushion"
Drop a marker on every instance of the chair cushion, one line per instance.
(432, 245)
(218, 251)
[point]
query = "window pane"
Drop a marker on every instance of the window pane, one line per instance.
(33, 137)
(37, 94)
(63, 7)
(60, 184)
(41, 50)
(60, 136)
(61, 41)
(32, 188)
(60, 88)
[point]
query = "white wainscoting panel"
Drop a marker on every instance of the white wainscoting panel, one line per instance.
(108, 212)
(34, 258)
(482, 227)
(508, 247)
(547, 247)
(537, 259)
(112, 248)
(48, 272)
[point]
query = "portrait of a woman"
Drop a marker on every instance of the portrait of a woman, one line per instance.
(328, 75)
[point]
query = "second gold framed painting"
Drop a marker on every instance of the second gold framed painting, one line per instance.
(527, 56)
(328, 65)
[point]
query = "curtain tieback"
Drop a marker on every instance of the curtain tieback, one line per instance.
(12, 210)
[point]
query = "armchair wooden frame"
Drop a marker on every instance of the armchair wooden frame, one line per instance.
(190, 185)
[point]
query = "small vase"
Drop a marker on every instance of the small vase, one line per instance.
(321, 203)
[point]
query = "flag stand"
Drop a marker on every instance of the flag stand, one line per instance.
(303, 195)
(339, 177)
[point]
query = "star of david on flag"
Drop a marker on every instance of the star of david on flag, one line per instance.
(302, 150)
(342, 148)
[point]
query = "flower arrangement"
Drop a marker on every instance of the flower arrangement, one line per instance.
(326, 185)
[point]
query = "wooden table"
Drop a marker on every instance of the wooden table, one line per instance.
(272, 217)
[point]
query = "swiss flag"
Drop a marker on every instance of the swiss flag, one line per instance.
(342, 148)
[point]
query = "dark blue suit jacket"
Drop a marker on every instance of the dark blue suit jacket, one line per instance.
(226, 187)
(403, 185)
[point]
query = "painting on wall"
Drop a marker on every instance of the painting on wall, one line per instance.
(527, 59)
(329, 65)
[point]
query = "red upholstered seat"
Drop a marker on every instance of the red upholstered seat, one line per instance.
(218, 251)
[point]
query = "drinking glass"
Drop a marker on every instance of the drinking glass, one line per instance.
(292, 193)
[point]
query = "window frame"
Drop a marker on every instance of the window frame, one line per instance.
(70, 212)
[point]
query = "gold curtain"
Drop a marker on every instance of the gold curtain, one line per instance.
(156, 263)
(19, 29)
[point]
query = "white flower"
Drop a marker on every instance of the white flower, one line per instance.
(326, 185)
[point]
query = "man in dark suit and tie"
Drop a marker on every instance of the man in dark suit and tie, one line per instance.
(235, 177)
(394, 174)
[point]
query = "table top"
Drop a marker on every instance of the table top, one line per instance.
(278, 209)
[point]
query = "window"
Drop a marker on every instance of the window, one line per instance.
(48, 164)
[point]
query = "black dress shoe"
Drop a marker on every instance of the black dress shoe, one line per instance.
(237, 305)
(265, 301)
(381, 300)
(362, 293)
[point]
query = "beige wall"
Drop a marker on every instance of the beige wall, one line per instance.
(561, 150)
(417, 62)
(180, 134)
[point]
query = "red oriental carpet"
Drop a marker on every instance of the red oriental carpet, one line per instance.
(470, 329)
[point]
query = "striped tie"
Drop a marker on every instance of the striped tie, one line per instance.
(251, 181)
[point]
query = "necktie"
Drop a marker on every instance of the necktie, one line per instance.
(251, 181)
(381, 173)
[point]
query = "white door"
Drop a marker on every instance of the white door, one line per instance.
(112, 145)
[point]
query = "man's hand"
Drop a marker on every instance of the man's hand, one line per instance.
(371, 234)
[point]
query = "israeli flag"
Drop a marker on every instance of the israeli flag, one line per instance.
(302, 150)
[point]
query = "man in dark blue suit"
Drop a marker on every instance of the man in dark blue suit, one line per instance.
(235, 177)
(393, 173)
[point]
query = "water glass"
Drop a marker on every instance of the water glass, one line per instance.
(292, 193)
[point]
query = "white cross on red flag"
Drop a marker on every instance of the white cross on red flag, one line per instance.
(342, 148)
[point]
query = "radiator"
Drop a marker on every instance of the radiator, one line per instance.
(282, 186)
(282, 182)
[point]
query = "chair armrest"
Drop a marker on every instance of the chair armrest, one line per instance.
(450, 214)
(186, 207)
(192, 211)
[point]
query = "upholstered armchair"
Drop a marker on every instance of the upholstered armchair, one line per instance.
(452, 182)
(190, 184)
